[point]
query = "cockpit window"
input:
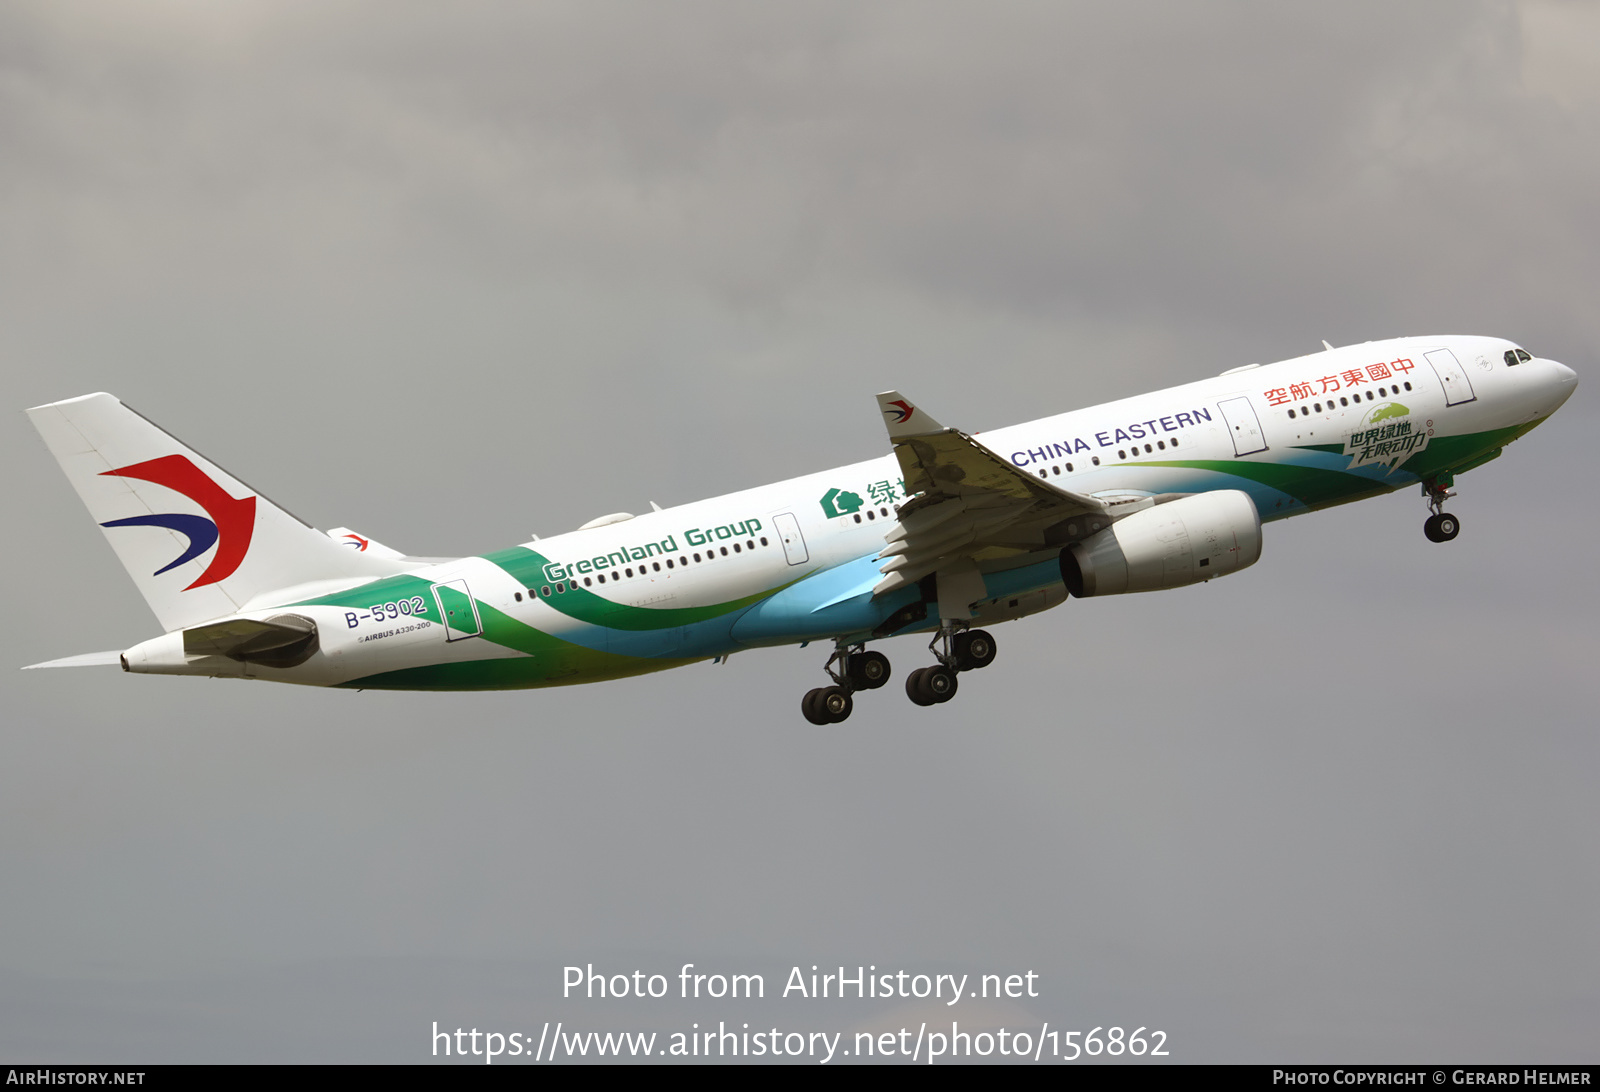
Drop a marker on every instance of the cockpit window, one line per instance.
(1517, 356)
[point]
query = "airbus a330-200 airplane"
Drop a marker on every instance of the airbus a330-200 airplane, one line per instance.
(949, 533)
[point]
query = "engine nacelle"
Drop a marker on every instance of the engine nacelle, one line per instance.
(1167, 546)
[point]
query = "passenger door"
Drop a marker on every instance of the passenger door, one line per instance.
(458, 609)
(1243, 426)
(1452, 376)
(794, 544)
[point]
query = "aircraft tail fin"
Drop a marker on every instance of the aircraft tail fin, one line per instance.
(198, 542)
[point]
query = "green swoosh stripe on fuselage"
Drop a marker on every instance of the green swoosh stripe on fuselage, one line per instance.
(527, 567)
(1321, 486)
(548, 660)
(1312, 486)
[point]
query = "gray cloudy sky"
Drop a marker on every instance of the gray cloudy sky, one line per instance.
(453, 274)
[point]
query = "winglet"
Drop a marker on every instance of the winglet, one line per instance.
(903, 419)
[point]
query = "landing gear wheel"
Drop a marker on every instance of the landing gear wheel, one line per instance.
(973, 648)
(939, 682)
(812, 709)
(915, 690)
(1441, 527)
(835, 703)
(869, 670)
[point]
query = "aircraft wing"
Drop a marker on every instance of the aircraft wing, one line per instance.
(967, 503)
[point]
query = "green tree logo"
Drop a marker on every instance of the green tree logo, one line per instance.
(840, 502)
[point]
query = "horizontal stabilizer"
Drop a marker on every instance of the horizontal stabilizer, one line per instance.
(88, 659)
(249, 638)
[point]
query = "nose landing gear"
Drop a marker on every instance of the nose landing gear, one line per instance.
(1441, 526)
(857, 669)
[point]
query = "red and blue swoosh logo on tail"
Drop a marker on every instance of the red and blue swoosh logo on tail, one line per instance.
(232, 522)
(904, 411)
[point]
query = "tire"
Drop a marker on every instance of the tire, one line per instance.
(1431, 529)
(869, 670)
(940, 683)
(835, 703)
(915, 689)
(811, 706)
(1449, 526)
(974, 648)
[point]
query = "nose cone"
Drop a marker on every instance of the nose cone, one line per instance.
(1562, 382)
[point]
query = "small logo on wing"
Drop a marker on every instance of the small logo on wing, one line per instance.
(903, 413)
(232, 522)
(357, 542)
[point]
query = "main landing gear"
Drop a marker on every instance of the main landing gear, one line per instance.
(963, 650)
(1441, 526)
(858, 670)
(854, 668)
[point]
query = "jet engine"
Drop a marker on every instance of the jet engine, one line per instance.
(1167, 545)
